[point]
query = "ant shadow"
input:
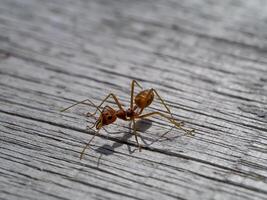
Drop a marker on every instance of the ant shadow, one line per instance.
(141, 125)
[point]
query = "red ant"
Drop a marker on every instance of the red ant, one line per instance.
(138, 103)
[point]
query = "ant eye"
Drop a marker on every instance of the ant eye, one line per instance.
(109, 117)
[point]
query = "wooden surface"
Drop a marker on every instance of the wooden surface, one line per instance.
(208, 60)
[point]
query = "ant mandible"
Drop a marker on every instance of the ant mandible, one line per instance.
(141, 101)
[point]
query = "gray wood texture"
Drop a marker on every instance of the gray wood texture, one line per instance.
(207, 59)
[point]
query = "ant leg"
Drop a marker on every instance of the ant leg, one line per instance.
(177, 125)
(164, 104)
(91, 127)
(132, 91)
(88, 114)
(88, 144)
(97, 107)
(135, 135)
(81, 102)
(114, 98)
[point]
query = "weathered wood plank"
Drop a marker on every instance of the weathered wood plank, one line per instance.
(207, 59)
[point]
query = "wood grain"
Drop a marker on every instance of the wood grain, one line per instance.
(207, 59)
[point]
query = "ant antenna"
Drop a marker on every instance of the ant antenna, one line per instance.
(88, 144)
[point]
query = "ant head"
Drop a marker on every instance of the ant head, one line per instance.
(108, 116)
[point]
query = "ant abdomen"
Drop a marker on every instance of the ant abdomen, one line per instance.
(144, 98)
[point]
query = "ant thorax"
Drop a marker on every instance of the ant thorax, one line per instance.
(121, 114)
(130, 113)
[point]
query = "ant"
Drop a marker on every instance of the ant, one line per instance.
(142, 100)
